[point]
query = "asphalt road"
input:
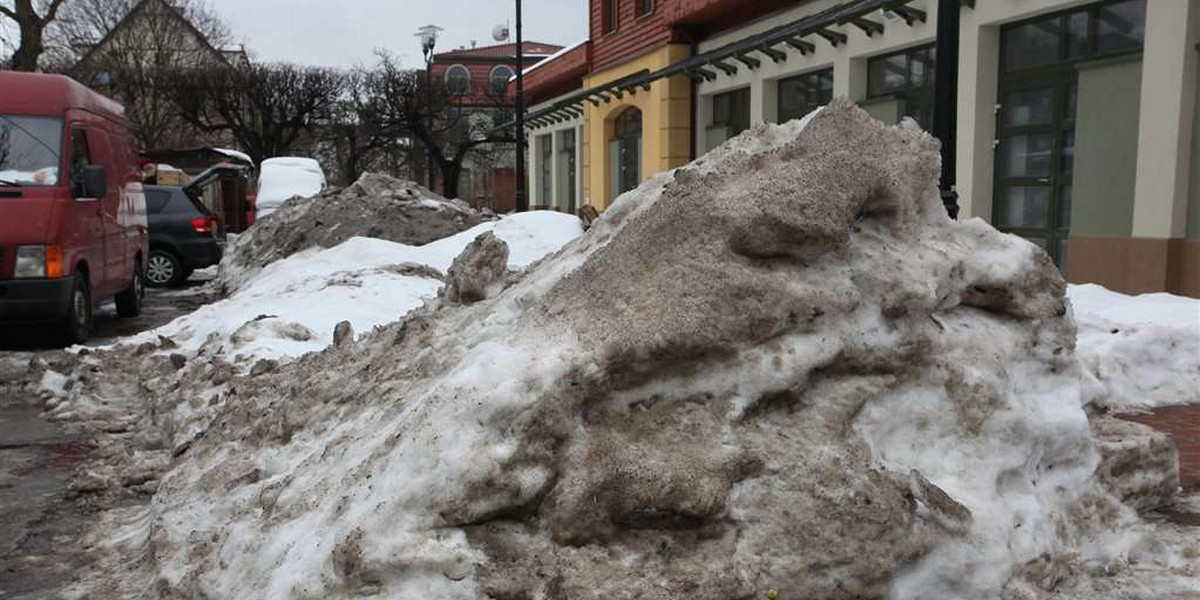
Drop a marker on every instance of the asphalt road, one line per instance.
(40, 524)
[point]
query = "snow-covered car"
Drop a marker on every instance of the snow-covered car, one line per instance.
(286, 177)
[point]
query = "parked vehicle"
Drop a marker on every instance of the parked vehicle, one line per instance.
(184, 236)
(72, 211)
(283, 178)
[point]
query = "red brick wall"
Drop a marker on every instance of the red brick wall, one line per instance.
(633, 37)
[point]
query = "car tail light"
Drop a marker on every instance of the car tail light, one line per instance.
(204, 224)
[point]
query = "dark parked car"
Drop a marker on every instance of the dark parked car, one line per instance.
(183, 236)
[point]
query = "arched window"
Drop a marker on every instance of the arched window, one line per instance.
(458, 81)
(499, 78)
(625, 151)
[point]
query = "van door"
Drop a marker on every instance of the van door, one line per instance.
(115, 252)
(87, 213)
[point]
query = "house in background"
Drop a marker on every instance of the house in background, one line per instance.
(134, 62)
(477, 83)
(1078, 124)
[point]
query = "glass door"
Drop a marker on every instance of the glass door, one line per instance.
(1035, 158)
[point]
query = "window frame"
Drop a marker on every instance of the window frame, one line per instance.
(805, 79)
(492, 88)
(729, 122)
(447, 80)
(610, 16)
(1065, 58)
(645, 8)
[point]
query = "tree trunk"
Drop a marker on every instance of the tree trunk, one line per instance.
(30, 49)
(450, 175)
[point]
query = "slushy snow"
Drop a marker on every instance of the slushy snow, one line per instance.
(292, 306)
(781, 367)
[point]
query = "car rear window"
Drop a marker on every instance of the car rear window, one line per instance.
(156, 201)
(183, 203)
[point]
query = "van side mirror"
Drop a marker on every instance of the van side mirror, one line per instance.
(94, 183)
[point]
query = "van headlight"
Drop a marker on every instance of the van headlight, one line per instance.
(38, 262)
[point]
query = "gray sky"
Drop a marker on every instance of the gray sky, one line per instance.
(347, 32)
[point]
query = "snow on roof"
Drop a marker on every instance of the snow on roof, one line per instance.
(234, 154)
(552, 57)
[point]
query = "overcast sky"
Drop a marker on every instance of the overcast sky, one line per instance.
(347, 32)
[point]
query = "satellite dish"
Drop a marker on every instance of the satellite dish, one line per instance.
(500, 33)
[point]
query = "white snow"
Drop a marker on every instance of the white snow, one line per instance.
(283, 178)
(308, 294)
(235, 154)
(1143, 351)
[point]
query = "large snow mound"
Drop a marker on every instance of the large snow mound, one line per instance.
(1144, 351)
(780, 368)
(375, 206)
(292, 306)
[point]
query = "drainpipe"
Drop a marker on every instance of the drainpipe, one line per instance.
(945, 100)
(522, 191)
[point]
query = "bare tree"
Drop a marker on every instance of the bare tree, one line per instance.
(81, 24)
(359, 136)
(31, 19)
(131, 51)
(266, 108)
(459, 131)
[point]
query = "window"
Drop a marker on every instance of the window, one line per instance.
(906, 76)
(645, 7)
(29, 150)
(1100, 30)
(81, 156)
(156, 201)
(566, 170)
(625, 151)
(803, 94)
(458, 81)
(608, 15)
(545, 168)
(499, 77)
(731, 111)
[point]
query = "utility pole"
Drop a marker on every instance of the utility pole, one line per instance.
(945, 99)
(522, 192)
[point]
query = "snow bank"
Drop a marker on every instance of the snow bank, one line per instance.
(780, 368)
(1144, 351)
(292, 306)
(376, 206)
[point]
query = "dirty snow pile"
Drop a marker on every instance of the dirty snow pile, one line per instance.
(293, 305)
(1143, 351)
(780, 368)
(376, 206)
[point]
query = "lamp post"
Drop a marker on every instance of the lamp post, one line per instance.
(945, 99)
(428, 35)
(522, 191)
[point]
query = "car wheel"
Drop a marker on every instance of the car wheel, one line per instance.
(129, 302)
(163, 269)
(77, 324)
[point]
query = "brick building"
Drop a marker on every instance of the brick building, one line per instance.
(1077, 119)
(477, 82)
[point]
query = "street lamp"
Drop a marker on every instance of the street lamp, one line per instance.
(428, 35)
(522, 192)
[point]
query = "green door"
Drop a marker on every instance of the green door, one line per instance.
(1035, 156)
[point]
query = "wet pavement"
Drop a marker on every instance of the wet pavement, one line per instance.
(41, 521)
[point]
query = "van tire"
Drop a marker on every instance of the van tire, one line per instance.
(77, 323)
(164, 270)
(129, 301)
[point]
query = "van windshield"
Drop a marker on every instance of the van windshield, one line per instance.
(29, 150)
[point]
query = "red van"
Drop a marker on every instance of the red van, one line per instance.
(72, 211)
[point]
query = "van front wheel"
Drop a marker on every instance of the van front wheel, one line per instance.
(77, 324)
(129, 302)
